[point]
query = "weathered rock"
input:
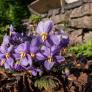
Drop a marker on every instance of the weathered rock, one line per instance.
(75, 37)
(85, 9)
(58, 18)
(83, 22)
(50, 13)
(44, 15)
(71, 1)
(56, 11)
(87, 36)
(59, 26)
(81, 17)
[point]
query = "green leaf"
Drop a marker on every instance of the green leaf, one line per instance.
(46, 82)
(85, 49)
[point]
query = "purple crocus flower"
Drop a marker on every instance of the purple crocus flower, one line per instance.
(60, 39)
(14, 36)
(11, 31)
(43, 29)
(17, 66)
(35, 71)
(50, 56)
(21, 55)
(65, 38)
(34, 47)
(6, 40)
(5, 56)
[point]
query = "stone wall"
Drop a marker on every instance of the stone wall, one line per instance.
(78, 21)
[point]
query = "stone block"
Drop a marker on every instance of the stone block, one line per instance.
(75, 37)
(58, 18)
(83, 22)
(88, 36)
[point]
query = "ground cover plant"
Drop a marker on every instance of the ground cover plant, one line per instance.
(41, 62)
(84, 49)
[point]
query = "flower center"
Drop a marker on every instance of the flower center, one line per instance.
(17, 62)
(44, 36)
(10, 33)
(32, 55)
(7, 55)
(2, 62)
(50, 59)
(22, 54)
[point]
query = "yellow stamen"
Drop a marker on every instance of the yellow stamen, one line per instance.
(44, 36)
(17, 62)
(7, 55)
(10, 33)
(50, 59)
(2, 62)
(65, 50)
(22, 54)
(32, 55)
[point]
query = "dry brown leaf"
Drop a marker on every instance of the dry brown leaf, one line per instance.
(72, 77)
(83, 78)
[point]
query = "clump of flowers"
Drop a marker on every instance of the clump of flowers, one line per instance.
(37, 53)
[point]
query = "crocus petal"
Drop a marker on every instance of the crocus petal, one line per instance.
(11, 28)
(40, 27)
(44, 26)
(29, 60)
(48, 65)
(54, 50)
(21, 48)
(35, 41)
(17, 67)
(48, 42)
(34, 73)
(33, 49)
(46, 51)
(24, 62)
(10, 62)
(60, 59)
(12, 32)
(25, 44)
(39, 71)
(56, 39)
(48, 25)
(65, 39)
(64, 42)
(40, 56)
(6, 66)
(3, 49)
(10, 48)
(2, 55)
(6, 39)
(16, 56)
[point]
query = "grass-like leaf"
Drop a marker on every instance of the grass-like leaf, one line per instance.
(47, 83)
